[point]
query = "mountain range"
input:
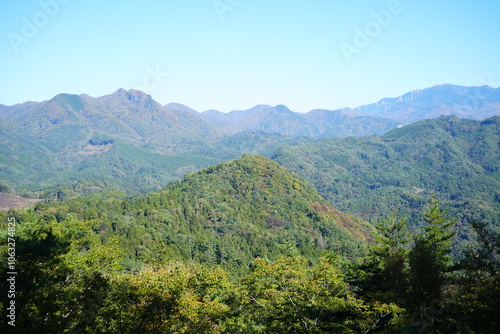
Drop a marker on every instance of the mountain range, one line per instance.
(464, 102)
(128, 140)
(377, 118)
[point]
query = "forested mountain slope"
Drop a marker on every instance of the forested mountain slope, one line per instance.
(457, 159)
(76, 144)
(227, 214)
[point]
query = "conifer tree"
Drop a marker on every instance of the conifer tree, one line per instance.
(430, 261)
(384, 273)
(392, 251)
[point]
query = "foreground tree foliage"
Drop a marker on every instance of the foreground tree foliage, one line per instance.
(288, 296)
(64, 272)
(439, 293)
(72, 279)
(71, 282)
(176, 298)
(474, 302)
(388, 264)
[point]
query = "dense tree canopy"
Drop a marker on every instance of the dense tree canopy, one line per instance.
(243, 247)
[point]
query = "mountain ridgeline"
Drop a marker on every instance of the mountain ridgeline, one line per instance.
(124, 140)
(314, 124)
(77, 144)
(465, 102)
(377, 118)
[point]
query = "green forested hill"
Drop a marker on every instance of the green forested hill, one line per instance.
(458, 160)
(241, 247)
(227, 214)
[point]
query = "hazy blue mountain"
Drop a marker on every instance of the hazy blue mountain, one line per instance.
(345, 123)
(180, 107)
(277, 119)
(377, 118)
(314, 124)
(465, 102)
(222, 121)
(3, 110)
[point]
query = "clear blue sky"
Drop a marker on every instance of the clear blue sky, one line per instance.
(259, 52)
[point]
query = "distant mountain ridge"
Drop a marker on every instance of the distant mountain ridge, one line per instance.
(125, 139)
(315, 124)
(136, 115)
(130, 115)
(465, 102)
(377, 118)
(128, 139)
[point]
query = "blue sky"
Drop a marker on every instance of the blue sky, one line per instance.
(234, 54)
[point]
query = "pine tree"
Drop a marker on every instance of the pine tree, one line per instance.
(475, 303)
(438, 233)
(388, 259)
(430, 262)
